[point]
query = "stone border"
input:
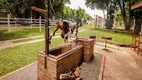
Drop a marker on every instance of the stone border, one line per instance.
(1, 77)
(100, 77)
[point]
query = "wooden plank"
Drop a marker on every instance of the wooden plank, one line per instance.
(137, 6)
(100, 77)
(38, 9)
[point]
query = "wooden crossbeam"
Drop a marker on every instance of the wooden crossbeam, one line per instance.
(38, 9)
(46, 28)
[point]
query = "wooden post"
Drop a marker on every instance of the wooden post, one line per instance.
(76, 34)
(31, 22)
(15, 23)
(96, 22)
(132, 41)
(47, 15)
(106, 44)
(40, 23)
(138, 45)
(8, 19)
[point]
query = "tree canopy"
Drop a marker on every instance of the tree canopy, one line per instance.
(112, 6)
(22, 8)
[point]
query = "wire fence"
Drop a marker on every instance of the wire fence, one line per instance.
(8, 23)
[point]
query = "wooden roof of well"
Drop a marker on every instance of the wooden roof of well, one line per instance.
(137, 6)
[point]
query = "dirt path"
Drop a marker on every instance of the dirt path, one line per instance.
(8, 44)
(121, 64)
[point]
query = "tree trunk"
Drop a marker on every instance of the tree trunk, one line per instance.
(129, 20)
(126, 19)
(104, 14)
(127, 26)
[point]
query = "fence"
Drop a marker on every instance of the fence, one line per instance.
(25, 22)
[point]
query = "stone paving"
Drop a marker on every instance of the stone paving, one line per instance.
(90, 71)
(121, 64)
(26, 73)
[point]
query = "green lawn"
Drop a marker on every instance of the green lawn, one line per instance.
(123, 28)
(21, 33)
(119, 27)
(19, 56)
(116, 37)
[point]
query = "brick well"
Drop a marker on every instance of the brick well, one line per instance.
(63, 58)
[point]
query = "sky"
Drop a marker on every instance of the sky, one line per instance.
(75, 4)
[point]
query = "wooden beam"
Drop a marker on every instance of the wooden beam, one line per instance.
(137, 6)
(47, 15)
(38, 9)
(102, 69)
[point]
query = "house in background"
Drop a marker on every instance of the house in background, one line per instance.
(100, 22)
(116, 23)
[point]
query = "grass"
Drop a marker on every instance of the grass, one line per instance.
(21, 33)
(123, 27)
(116, 37)
(119, 27)
(19, 56)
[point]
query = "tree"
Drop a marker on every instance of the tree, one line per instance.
(75, 13)
(126, 12)
(98, 5)
(112, 5)
(125, 5)
(17, 8)
(108, 5)
(22, 8)
(118, 16)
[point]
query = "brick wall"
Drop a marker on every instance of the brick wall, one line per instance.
(88, 48)
(63, 58)
(60, 64)
(50, 72)
(70, 61)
